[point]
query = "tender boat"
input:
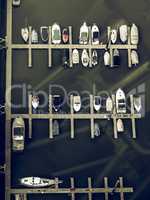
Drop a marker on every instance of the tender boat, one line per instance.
(44, 33)
(57, 102)
(137, 103)
(97, 103)
(95, 34)
(106, 58)
(116, 57)
(38, 182)
(34, 36)
(76, 103)
(56, 129)
(65, 35)
(120, 125)
(120, 101)
(109, 104)
(85, 58)
(123, 30)
(35, 102)
(18, 134)
(16, 2)
(75, 56)
(134, 58)
(113, 36)
(25, 34)
(97, 131)
(94, 58)
(84, 34)
(65, 57)
(56, 34)
(134, 34)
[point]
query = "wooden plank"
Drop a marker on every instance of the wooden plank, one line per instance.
(90, 188)
(72, 117)
(72, 188)
(110, 45)
(92, 119)
(133, 118)
(106, 187)
(70, 47)
(30, 48)
(114, 118)
(50, 49)
(50, 118)
(129, 49)
(90, 50)
(30, 114)
(121, 186)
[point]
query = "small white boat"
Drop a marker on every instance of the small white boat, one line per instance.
(16, 2)
(44, 33)
(25, 34)
(137, 103)
(116, 57)
(123, 30)
(85, 58)
(97, 103)
(34, 36)
(75, 56)
(109, 104)
(97, 131)
(106, 58)
(134, 58)
(120, 125)
(35, 102)
(38, 182)
(134, 34)
(55, 128)
(56, 34)
(95, 34)
(120, 101)
(76, 103)
(113, 36)
(94, 58)
(84, 34)
(65, 35)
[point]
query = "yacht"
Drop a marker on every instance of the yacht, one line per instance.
(109, 104)
(18, 134)
(56, 34)
(97, 131)
(75, 56)
(65, 35)
(106, 58)
(34, 36)
(123, 30)
(137, 103)
(134, 34)
(120, 125)
(134, 57)
(76, 103)
(97, 103)
(56, 129)
(84, 34)
(44, 33)
(116, 57)
(94, 58)
(25, 34)
(38, 182)
(16, 2)
(120, 101)
(113, 36)
(85, 58)
(95, 34)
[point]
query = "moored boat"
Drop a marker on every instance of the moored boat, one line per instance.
(85, 58)
(134, 34)
(106, 58)
(137, 102)
(84, 34)
(95, 34)
(116, 57)
(113, 36)
(76, 103)
(56, 128)
(34, 36)
(109, 104)
(35, 101)
(97, 103)
(97, 131)
(94, 58)
(123, 30)
(65, 35)
(25, 34)
(134, 58)
(56, 34)
(44, 33)
(120, 125)
(75, 56)
(120, 101)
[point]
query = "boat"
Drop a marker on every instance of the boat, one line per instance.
(120, 125)
(97, 131)
(18, 134)
(75, 56)
(85, 58)
(123, 30)
(34, 36)
(109, 104)
(116, 57)
(65, 57)
(106, 58)
(137, 102)
(16, 2)
(134, 34)
(65, 35)
(97, 103)
(76, 103)
(95, 34)
(25, 34)
(134, 57)
(35, 102)
(44, 33)
(57, 102)
(84, 34)
(56, 34)
(56, 129)
(94, 58)
(120, 101)
(19, 197)
(38, 182)
(113, 36)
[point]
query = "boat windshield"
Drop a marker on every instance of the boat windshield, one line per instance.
(121, 101)
(95, 35)
(97, 101)
(56, 35)
(18, 131)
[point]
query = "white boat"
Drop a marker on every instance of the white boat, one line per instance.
(85, 58)
(120, 125)
(75, 56)
(56, 34)
(97, 131)
(35, 102)
(19, 197)
(25, 34)
(116, 57)
(123, 30)
(120, 101)
(76, 103)
(95, 34)
(38, 182)
(55, 128)
(137, 103)
(16, 2)
(134, 57)
(109, 104)
(97, 103)
(84, 34)
(134, 34)
(34, 36)
(18, 134)
(113, 36)
(44, 33)
(106, 58)
(94, 58)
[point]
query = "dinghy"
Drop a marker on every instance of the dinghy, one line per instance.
(76, 103)
(25, 34)
(137, 103)
(123, 30)
(134, 34)
(84, 34)
(113, 36)
(94, 58)
(109, 104)
(75, 56)
(96, 130)
(65, 35)
(120, 125)
(44, 33)
(95, 34)
(85, 58)
(97, 103)
(56, 34)
(134, 58)
(106, 58)
(120, 101)
(116, 57)
(34, 36)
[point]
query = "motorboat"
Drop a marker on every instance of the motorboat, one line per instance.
(123, 30)
(75, 56)
(95, 34)
(65, 57)
(18, 134)
(56, 34)
(38, 182)
(25, 34)
(116, 57)
(97, 131)
(84, 34)
(76, 103)
(16, 2)
(44, 33)
(97, 103)
(137, 102)
(134, 34)
(65, 35)
(19, 197)
(106, 58)
(120, 125)
(113, 36)
(134, 57)
(85, 58)
(35, 102)
(120, 101)
(109, 104)
(34, 36)
(94, 58)
(56, 129)
(57, 102)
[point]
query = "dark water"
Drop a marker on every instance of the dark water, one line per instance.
(82, 157)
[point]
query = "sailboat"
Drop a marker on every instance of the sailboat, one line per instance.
(85, 58)
(134, 57)
(56, 34)
(113, 36)
(106, 58)
(120, 125)
(120, 101)
(95, 34)
(84, 34)
(44, 33)
(137, 103)
(25, 34)
(97, 103)
(109, 104)
(94, 58)
(77, 103)
(123, 30)
(134, 34)
(75, 56)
